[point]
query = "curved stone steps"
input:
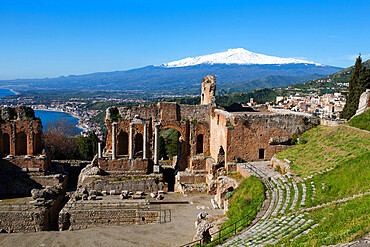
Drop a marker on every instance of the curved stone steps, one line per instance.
(272, 231)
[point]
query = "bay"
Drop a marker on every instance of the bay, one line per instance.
(49, 116)
(4, 92)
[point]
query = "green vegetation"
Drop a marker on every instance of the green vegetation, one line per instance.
(361, 121)
(358, 83)
(338, 223)
(61, 144)
(326, 147)
(168, 142)
(245, 198)
(348, 151)
(265, 82)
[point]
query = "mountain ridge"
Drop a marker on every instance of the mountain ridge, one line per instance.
(173, 80)
(235, 56)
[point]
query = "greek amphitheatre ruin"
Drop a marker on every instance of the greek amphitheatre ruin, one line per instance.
(122, 183)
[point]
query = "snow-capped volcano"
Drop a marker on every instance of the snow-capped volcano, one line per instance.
(235, 56)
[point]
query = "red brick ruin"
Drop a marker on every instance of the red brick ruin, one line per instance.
(21, 142)
(207, 132)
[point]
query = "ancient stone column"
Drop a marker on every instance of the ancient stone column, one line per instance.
(156, 147)
(144, 142)
(131, 148)
(114, 141)
(99, 150)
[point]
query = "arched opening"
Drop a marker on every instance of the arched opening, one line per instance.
(6, 143)
(200, 144)
(138, 144)
(122, 143)
(221, 158)
(261, 154)
(169, 144)
(37, 143)
(21, 144)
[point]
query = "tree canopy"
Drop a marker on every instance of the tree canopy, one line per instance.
(359, 82)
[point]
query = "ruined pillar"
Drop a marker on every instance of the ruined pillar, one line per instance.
(144, 142)
(114, 141)
(131, 147)
(99, 150)
(156, 147)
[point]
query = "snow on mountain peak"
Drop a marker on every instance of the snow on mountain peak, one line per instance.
(235, 56)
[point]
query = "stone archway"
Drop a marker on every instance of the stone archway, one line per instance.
(21, 144)
(138, 145)
(122, 143)
(199, 147)
(37, 143)
(170, 143)
(221, 158)
(6, 143)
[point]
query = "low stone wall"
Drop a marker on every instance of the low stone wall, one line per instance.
(187, 178)
(241, 168)
(23, 221)
(28, 218)
(198, 163)
(330, 123)
(146, 185)
(77, 219)
(124, 164)
(51, 180)
(32, 163)
(82, 214)
(280, 165)
(224, 185)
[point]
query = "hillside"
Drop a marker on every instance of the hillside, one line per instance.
(342, 76)
(337, 161)
(361, 121)
(183, 76)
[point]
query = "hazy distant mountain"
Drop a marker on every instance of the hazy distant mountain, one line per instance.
(234, 65)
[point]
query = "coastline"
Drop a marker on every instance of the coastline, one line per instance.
(57, 110)
(70, 114)
(16, 93)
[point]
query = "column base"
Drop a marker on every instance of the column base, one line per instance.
(156, 168)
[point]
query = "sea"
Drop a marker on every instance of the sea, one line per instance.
(49, 116)
(5, 92)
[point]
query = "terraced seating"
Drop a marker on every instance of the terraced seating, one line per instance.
(296, 196)
(303, 201)
(278, 221)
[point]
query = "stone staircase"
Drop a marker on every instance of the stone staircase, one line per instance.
(283, 216)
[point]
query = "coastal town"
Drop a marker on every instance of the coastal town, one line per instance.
(326, 106)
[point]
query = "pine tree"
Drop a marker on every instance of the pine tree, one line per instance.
(354, 92)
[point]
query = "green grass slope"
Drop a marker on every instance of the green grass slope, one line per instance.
(361, 121)
(326, 147)
(347, 150)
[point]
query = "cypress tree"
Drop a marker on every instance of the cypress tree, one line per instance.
(354, 91)
(162, 148)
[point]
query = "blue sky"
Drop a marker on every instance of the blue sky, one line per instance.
(54, 38)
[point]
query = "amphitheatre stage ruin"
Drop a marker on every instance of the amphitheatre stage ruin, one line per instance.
(126, 182)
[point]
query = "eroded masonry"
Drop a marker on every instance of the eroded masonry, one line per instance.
(210, 137)
(121, 182)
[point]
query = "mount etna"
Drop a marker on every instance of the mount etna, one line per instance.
(234, 65)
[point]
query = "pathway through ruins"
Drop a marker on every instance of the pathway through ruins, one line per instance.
(179, 231)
